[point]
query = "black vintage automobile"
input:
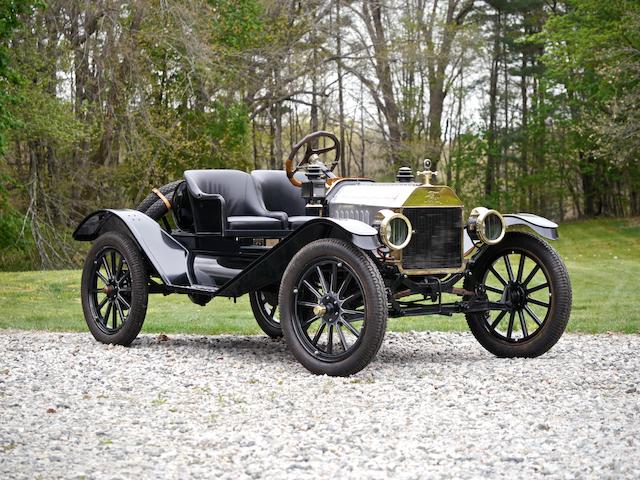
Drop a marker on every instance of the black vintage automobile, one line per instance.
(325, 260)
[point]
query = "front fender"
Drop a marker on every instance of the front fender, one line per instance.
(362, 234)
(542, 226)
(166, 255)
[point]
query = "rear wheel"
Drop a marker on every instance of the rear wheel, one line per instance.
(114, 289)
(333, 307)
(527, 277)
(264, 304)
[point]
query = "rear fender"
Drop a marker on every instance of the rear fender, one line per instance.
(270, 267)
(166, 255)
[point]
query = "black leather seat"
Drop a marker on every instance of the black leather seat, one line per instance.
(278, 195)
(243, 207)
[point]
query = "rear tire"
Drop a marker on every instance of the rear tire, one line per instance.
(333, 307)
(264, 304)
(114, 289)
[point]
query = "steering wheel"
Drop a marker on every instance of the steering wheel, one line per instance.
(310, 152)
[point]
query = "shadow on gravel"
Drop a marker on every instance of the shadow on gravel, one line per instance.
(234, 343)
(451, 356)
(393, 352)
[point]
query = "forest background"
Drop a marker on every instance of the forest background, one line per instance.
(524, 105)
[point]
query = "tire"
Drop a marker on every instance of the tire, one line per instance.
(153, 206)
(351, 304)
(528, 333)
(264, 304)
(128, 288)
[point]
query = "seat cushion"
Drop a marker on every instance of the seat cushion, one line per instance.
(237, 188)
(246, 222)
(298, 220)
(277, 193)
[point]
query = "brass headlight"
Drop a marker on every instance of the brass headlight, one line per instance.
(486, 225)
(395, 229)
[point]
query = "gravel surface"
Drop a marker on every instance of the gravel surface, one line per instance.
(431, 405)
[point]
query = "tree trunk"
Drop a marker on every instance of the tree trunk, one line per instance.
(372, 10)
(492, 158)
(524, 144)
(343, 162)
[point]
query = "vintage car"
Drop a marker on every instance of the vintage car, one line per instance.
(326, 260)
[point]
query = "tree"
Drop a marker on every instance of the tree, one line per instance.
(593, 51)
(10, 11)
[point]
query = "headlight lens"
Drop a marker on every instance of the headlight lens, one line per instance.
(487, 225)
(492, 227)
(395, 229)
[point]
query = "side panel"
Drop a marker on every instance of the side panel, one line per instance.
(540, 225)
(270, 267)
(167, 256)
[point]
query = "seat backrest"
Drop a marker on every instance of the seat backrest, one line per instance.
(237, 188)
(277, 193)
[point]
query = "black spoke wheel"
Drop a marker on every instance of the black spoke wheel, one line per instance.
(114, 289)
(333, 307)
(529, 291)
(264, 304)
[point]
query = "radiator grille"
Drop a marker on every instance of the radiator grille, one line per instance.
(437, 238)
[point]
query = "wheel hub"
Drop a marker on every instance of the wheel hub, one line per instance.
(110, 290)
(517, 295)
(329, 308)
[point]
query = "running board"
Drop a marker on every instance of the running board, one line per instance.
(196, 289)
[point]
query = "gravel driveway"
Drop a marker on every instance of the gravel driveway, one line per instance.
(431, 405)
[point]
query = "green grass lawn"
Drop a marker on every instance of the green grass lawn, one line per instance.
(603, 257)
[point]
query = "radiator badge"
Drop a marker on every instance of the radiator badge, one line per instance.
(432, 196)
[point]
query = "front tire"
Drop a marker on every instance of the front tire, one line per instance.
(333, 308)
(524, 273)
(114, 289)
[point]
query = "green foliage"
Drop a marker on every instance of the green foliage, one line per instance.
(59, 128)
(223, 130)
(16, 244)
(593, 53)
(237, 24)
(10, 10)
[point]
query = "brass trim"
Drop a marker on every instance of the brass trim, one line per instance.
(164, 199)
(387, 216)
(477, 222)
(436, 196)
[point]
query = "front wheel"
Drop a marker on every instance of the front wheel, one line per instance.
(114, 289)
(528, 287)
(333, 308)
